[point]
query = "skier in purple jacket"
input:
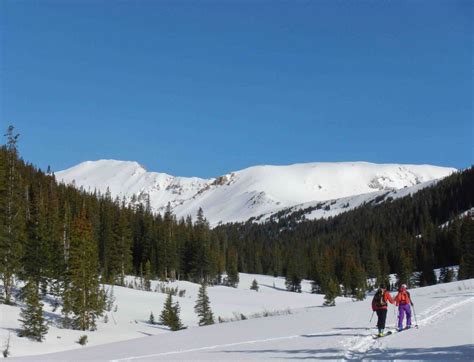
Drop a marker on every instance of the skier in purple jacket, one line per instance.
(403, 302)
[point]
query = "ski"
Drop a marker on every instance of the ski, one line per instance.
(376, 336)
(406, 329)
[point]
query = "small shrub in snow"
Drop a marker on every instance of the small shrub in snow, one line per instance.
(151, 319)
(181, 293)
(6, 350)
(167, 290)
(110, 299)
(82, 340)
(254, 285)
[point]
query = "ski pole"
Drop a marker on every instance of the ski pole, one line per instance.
(414, 313)
(370, 321)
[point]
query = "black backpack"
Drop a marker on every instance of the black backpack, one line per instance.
(379, 300)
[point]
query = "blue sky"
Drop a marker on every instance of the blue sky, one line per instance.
(201, 88)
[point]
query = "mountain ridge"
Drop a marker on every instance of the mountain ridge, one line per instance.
(250, 192)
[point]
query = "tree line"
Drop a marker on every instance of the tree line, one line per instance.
(65, 241)
(406, 236)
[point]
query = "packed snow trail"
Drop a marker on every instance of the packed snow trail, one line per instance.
(440, 310)
(313, 333)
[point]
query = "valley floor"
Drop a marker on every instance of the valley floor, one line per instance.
(444, 314)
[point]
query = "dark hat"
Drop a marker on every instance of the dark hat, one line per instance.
(382, 286)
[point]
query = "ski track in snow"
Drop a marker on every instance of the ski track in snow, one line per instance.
(220, 346)
(356, 347)
(359, 346)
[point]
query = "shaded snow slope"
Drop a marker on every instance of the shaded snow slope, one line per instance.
(444, 314)
(129, 321)
(248, 193)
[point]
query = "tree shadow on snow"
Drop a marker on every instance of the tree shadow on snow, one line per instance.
(53, 319)
(272, 287)
(334, 334)
(353, 328)
(457, 353)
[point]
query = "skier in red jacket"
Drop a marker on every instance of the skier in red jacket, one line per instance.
(380, 306)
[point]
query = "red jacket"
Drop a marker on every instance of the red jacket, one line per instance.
(403, 297)
(387, 298)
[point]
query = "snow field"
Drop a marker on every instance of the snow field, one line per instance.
(444, 314)
(133, 307)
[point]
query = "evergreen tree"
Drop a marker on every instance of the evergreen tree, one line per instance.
(466, 266)
(232, 272)
(55, 257)
(170, 314)
(203, 307)
(175, 320)
(33, 323)
(333, 291)
(147, 276)
(12, 228)
(427, 275)
(121, 258)
(405, 268)
(446, 275)
(35, 251)
(202, 256)
(83, 296)
(293, 274)
(166, 313)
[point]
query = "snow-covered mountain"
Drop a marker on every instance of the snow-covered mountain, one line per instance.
(257, 191)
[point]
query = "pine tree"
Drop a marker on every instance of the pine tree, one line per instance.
(203, 307)
(332, 292)
(121, 254)
(166, 313)
(170, 314)
(35, 251)
(12, 228)
(175, 320)
(466, 265)
(405, 268)
(55, 266)
(34, 325)
(83, 296)
(293, 274)
(147, 276)
(202, 258)
(232, 272)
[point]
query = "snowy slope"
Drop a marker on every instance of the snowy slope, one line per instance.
(444, 314)
(251, 192)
